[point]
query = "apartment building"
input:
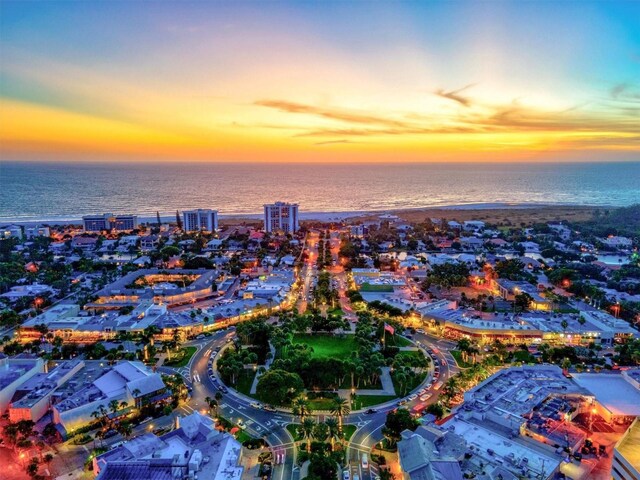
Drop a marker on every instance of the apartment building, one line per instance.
(200, 220)
(281, 217)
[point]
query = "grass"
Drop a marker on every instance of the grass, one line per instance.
(367, 287)
(182, 357)
(326, 346)
(245, 381)
(457, 355)
(398, 341)
(365, 401)
(321, 403)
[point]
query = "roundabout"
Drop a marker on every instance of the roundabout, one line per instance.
(271, 426)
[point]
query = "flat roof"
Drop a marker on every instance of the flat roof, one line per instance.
(629, 445)
(612, 391)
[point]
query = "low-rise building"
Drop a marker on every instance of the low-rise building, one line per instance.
(37, 231)
(626, 455)
(13, 373)
(32, 399)
(11, 231)
(194, 450)
(109, 222)
(131, 383)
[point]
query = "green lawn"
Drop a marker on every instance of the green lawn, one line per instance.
(321, 403)
(457, 355)
(366, 401)
(398, 341)
(181, 357)
(367, 287)
(245, 380)
(328, 346)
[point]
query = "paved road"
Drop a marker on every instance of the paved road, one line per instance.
(236, 407)
(369, 430)
(309, 271)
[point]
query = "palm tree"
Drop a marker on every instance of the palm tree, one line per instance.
(306, 430)
(300, 407)
(333, 431)
(339, 409)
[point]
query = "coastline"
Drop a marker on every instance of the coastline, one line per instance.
(480, 211)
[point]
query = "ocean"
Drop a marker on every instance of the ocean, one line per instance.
(31, 192)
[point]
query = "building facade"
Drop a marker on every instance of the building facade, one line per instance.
(108, 221)
(281, 217)
(200, 219)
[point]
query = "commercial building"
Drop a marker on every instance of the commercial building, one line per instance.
(531, 327)
(177, 287)
(13, 373)
(200, 220)
(109, 222)
(73, 326)
(281, 217)
(626, 455)
(194, 450)
(32, 399)
(131, 383)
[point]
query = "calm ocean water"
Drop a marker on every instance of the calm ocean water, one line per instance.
(50, 191)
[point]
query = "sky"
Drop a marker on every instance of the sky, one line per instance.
(320, 81)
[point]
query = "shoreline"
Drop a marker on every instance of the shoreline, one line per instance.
(408, 214)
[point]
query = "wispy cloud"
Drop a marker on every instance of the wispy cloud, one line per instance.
(330, 113)
(455, 95)
(333, 142)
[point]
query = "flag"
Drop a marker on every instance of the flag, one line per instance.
(389, 328)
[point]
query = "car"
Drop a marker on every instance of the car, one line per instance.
(370, 411)
(413, 396)
(402, 402)
(241, 425)
(269, 408)
(425, 397)
(365, 461)
(436, 374)
(225, 390)
(346, 475)
(356, 476)
(422, 392)
(256, 405)
(420, 330)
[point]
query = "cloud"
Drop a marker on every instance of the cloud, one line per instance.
(333, 142)
(619, 89)
(332, 114)
(454, 95)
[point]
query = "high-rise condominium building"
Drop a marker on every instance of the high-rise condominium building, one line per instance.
(281, 217)
(200, 219)
(108, 221)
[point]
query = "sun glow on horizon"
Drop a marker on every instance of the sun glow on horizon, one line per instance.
(408, 82)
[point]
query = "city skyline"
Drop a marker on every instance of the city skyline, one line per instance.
(500, 81)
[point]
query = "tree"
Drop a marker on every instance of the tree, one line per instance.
(397, 422)
(436, 409)
(279, 387)
(300, 407)
(339, 409)
(306, 430)
(333, 431)
(159, 222)
(322, 467)
(523, 301)
(178, 220)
